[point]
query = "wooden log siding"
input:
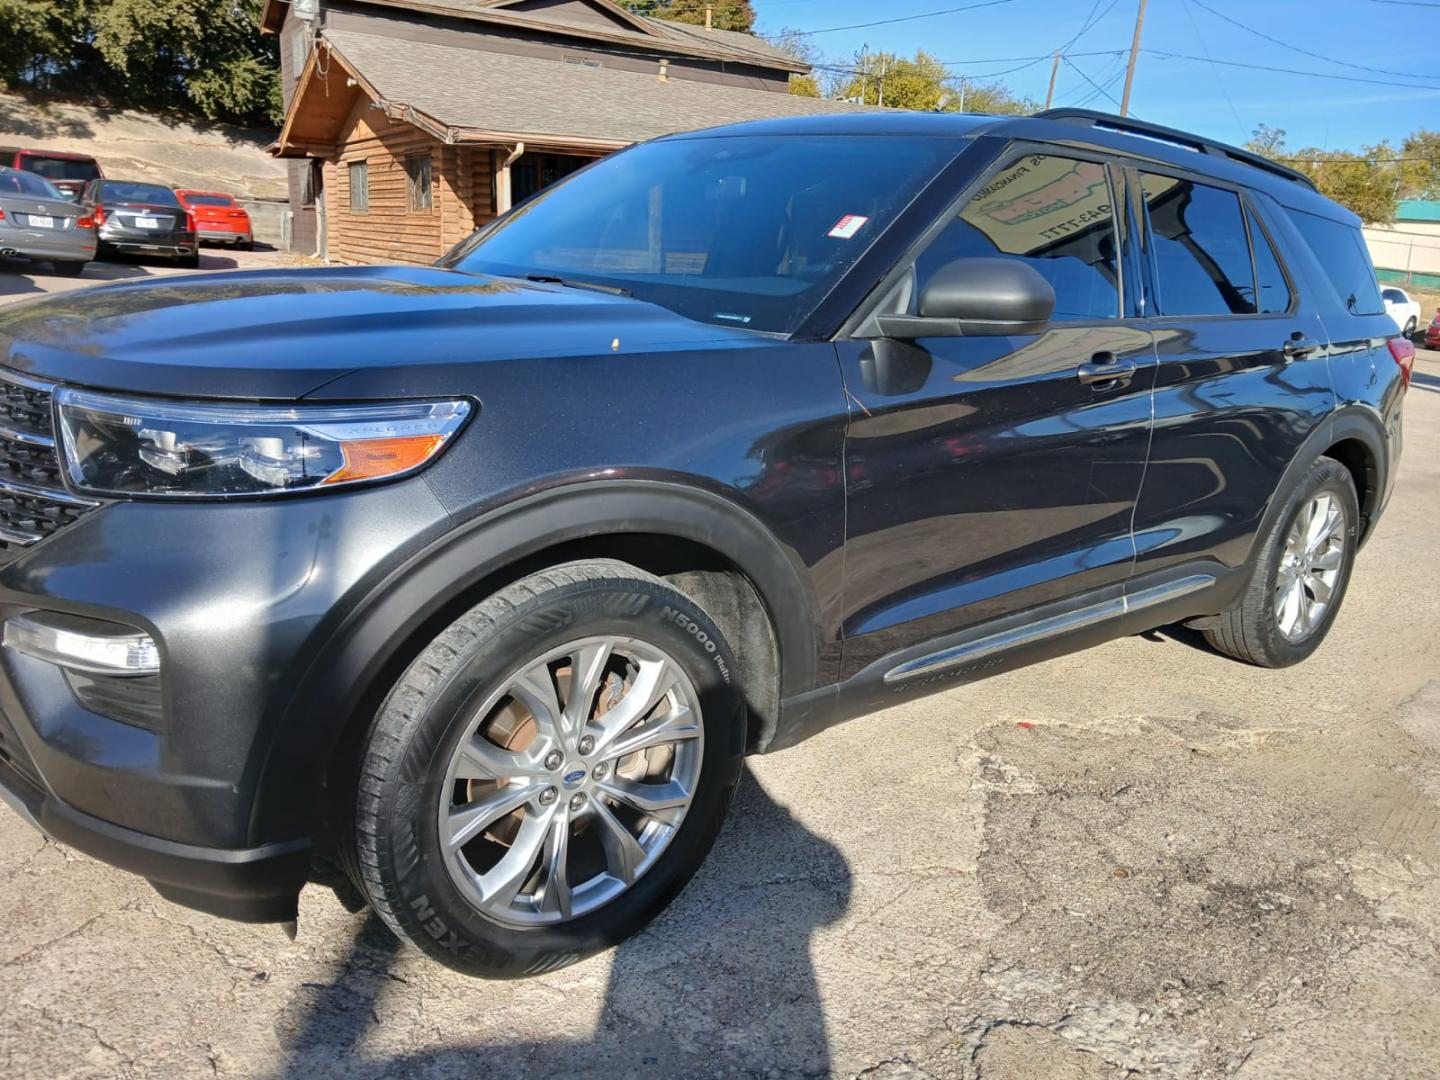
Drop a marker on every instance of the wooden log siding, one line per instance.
(390, 232)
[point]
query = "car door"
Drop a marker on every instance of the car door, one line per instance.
(1242, 376)
(989, 475)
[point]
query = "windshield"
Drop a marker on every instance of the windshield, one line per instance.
(209, 200)
(14, 182)
(54, 168)
(750, 231)
(123, 192)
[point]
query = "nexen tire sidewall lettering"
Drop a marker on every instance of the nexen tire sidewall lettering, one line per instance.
(427, 903)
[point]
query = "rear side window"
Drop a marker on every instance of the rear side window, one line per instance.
(1054, 213)
(1201, 250)
(1274, 289)
(1341, 253)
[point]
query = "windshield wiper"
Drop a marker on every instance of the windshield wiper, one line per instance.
(571, 283)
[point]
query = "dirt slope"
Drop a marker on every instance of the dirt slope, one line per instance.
(142, 146)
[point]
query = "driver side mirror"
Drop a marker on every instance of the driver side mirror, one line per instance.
(977, 297)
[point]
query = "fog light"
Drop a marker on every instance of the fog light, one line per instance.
(79, 644)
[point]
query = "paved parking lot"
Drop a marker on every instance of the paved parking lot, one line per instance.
(20, 278)
(1141, 859)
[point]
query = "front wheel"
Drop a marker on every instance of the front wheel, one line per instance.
(1411, 326)
(550, 771)
(1299, 579)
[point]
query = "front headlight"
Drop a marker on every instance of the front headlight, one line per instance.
(136, 446)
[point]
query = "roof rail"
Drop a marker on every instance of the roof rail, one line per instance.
(1129, 126)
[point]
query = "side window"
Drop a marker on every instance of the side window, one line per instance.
(360, 187)
(1341, 253)
(417, 169)
(1054, 213)
(1201, 253)
(1274, 290)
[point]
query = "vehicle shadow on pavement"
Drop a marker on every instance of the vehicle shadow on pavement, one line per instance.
(722, 983)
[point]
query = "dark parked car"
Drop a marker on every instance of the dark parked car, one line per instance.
(141, 219)
(467, 589)
(69, 172)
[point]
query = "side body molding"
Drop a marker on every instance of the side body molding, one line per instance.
(341, 677)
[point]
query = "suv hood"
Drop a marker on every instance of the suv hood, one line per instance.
(281, 334)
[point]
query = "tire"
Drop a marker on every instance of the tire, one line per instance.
(188, 262)
(1411, 326)
(245, 245)
(408, 778)
(69, 269)
(1255, 630)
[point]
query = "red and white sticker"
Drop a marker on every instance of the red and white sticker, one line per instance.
(848, 226)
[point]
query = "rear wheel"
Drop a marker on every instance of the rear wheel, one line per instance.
(189, 262)
(69, 269)
(1300, 577)
(550, 771)
(1411, 326)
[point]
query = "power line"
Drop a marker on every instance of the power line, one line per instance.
(1087, 78)
(1190, 17)
(1287, 71)
(901, 18)
(1303, 51)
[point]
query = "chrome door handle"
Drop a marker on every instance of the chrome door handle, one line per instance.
(1106, 370)
(1298, 345)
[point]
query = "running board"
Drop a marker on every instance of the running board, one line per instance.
(1055, 625)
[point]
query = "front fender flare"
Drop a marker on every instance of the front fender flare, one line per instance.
(341, 680)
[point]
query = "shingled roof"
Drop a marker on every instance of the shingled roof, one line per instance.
(472, 94)
(643, 31)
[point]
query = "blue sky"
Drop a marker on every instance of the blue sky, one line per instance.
(1221, 101)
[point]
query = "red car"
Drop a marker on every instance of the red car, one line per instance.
(68, 172)
(1432, 332)
(218, 217)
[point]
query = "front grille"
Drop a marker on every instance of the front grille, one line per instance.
(33, 499)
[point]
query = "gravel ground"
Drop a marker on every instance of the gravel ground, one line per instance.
(1140, 859)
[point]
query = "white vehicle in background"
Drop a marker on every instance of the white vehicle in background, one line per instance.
(1401, 308)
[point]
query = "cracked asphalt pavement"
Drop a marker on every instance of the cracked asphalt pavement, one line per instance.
(1141, 859)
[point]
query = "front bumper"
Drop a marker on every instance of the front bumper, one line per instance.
(249, 884)
(240, 597)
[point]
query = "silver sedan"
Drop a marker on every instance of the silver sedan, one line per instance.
(39, 222)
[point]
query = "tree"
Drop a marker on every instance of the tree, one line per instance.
(1367, 182)
(924, 83)
(725, 14)
(802, 48)
(204, 57)
(1421, 168)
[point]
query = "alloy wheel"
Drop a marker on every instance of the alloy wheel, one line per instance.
(1310, 566)
(571, 780)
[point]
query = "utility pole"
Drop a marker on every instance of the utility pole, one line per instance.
(1130, 68)
(864, 72)
(1054, 70)
(962, 93)
(882, 83)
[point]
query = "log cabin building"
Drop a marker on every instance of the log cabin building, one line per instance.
(410, 122)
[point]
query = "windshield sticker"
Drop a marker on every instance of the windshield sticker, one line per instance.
(848, 226)
(729, 317)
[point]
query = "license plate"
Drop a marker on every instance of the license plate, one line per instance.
(39, 222)
(147, 223)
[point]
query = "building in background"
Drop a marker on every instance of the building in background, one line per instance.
(407, 124)
(1407, 251)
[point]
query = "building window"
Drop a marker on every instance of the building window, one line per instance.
(418, 171)
(360, 186)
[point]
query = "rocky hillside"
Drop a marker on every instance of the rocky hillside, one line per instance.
(142, 146)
